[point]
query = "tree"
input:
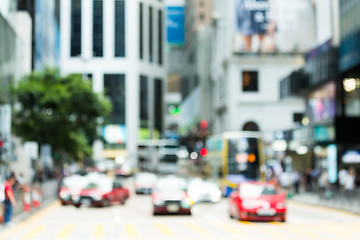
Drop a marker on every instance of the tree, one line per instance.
(61, 111)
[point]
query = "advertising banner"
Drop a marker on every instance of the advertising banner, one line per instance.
(114, 133)
(273, 25)
(175, 25)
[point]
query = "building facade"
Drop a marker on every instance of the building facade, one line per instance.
(322, 127)
(249, 58)
(124, 57)
(15, 61)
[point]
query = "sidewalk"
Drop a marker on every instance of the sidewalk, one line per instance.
(48, 195)
(336, 201)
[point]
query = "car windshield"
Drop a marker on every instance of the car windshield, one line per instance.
(74, 182)
(170, 186)
(250, 190)
(145, 178)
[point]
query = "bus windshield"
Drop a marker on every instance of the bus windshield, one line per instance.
(243, 157)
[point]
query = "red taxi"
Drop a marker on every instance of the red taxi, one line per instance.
(102, 192)
(258, 201)
(68, 186)
(170, 196)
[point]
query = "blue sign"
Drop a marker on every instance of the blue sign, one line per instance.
(175, 25)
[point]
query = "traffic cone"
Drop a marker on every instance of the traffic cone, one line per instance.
(1, 212)
(36, 198)
(27, 199)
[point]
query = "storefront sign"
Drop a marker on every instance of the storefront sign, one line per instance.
(324, 133)
(351, 156)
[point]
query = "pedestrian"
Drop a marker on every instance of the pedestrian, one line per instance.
(296, 181)
(9, 201)
(350, 184)
(323, 183)
(342, 176)
(308, 180)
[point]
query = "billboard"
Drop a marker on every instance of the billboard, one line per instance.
(175, 23)
(273, 26)
(114, 134)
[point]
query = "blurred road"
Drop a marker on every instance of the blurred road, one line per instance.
(134, 220)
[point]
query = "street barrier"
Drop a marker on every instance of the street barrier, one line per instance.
(26, 199)
(1, 212)
(36, 197)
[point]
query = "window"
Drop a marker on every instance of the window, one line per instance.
(160, 46)
(114, 85)
(151, 34)
(158, 104)
(141, 33)
(144, 113)
(98, 28)
(119, 28)
(250, 81)
(75, 28)
(201, 17)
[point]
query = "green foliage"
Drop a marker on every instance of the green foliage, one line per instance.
(61, 111)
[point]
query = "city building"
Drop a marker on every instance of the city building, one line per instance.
(175, 40)
(250, 56)
(316, 140)
(124, 57)
(195, 86)
(45, 31)
(348, 112)
(15, 61)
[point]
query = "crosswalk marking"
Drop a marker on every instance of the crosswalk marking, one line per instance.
(297, 230)
(99, 231)
(196, 228)
(34, 232)
(230, 229)
(65, 231)
(331, 231)
(263, 229)
(130, 230)
(164, 229)
(344, 227)
(272, 230)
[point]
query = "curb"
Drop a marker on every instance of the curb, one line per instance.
(26, 215)
(325, 206)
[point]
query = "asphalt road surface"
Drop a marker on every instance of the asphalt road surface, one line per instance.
(134, 220)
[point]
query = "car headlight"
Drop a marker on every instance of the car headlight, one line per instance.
(75, 198)
(64, 195)
(96, 197)
(158, 202)
(280, 205)
(193, 196)
(187, 202)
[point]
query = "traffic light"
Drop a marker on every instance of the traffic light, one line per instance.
(203, 152)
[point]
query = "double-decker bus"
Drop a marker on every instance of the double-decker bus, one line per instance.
(235, 157)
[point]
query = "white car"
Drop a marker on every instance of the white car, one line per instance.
(204, 191)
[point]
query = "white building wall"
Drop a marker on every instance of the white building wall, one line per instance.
(130, 65)
(22, 24)
(263, 107)
(232, 107)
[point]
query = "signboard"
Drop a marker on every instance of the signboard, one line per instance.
(273, 25)
(332, 163)
(322, 103)
(175, 25)
(114, 133)
(351, 156)
(324, 133)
